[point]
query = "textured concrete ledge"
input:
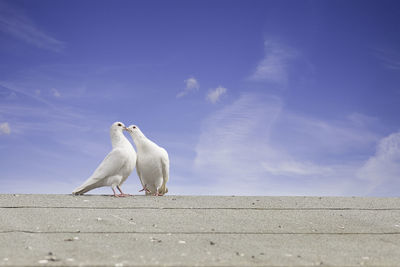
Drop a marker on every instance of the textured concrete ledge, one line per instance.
(64, 230)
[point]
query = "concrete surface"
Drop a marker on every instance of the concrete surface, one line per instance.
(65, 230)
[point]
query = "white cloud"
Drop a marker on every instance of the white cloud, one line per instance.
(384, 166)
(214, 95)
(14, 22)
(55, 92)
(256, 146)
(5, 128)
(191, 85)
(274, 67)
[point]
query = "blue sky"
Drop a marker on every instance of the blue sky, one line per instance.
(248, 97)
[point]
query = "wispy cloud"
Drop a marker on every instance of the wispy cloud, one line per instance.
(384, 166)
(296, 168)
(55, 92)
(15, 22)
(214, 94)
(389, 58)
(191, 85)
(5, 128)
(33, 113)
(256, 146)
(231, 148)
(16, 89)
(274, 66)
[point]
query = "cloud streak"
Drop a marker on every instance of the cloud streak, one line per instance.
(389, 58)
(14, 22)
(274, 67)
(17, 89)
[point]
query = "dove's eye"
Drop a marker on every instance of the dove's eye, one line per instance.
(119, 124)
(134, 127)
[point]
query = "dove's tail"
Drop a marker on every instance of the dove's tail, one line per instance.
(86, 187)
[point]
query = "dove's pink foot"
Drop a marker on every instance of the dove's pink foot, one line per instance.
(119, 195)
(122, 193)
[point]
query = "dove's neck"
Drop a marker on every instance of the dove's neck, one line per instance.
(141, 141)
(118, 139)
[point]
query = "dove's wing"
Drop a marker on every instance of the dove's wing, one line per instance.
(110, 166)
(165, 170)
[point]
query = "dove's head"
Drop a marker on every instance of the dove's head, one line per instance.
(117, 127)
(117, 135)
(134, 131)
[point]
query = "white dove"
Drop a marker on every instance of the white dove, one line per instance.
(117, 165)
(152, 163)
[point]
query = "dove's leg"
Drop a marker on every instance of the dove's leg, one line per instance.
(115, 194)
(122, 194)
(145, 189)
(118, 195)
